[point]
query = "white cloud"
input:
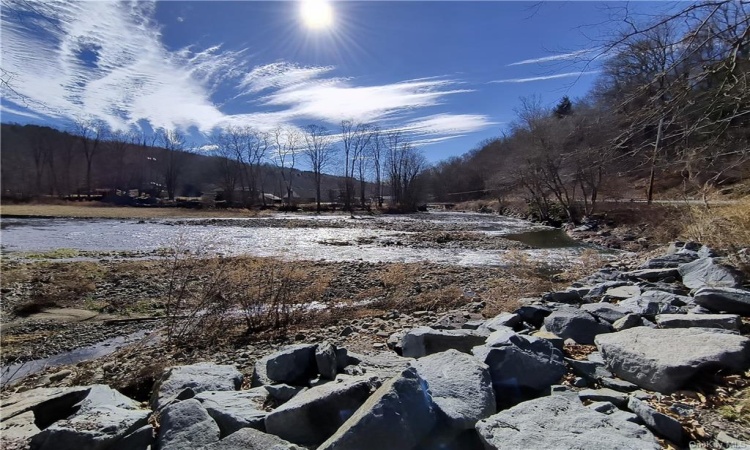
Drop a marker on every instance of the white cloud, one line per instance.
(546, 77)
(8, 110)
(279, 75)
(560, 57)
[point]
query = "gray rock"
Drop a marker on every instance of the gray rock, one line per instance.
(524, 365)
(553, 339)
(672, 288)
(234, 410)
(325, 360)
(605, 311)
(398, 416)
(557, 422)
(380, 366)
(102, 418)
(314, 415)
(260, 377)
(571, 323)
(709, 272)
(657, 422)
(186, 424)
(653, 274)
(617, 384)
(628, 321)
(425, 341)
(197, 378)
(140, 439)
(570, 296)
(706, 252)
(534, 314)
(294, 364)
(731, 300)
(612, 410)
(503, 320)
(250, 439)
(651, 303)
(590, 370)
(394, 341)
(669, 261)
(472, 324)
(561, 389)
(282, 393)
(598, 291)
(461, 387)
(723, 321)
(580, 382)
(664, 359)
(604, 395)
(623, 292)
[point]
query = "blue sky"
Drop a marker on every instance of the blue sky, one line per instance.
(448, 73)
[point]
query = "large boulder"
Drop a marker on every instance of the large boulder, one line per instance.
(572, 323)
(657, 422)
(605, 311)
(425, 341)
(250, 439)
(561, 422)
(653, 274)
(377, 366)
(325, 360)
(521, 366)
(664, 359)
(294, 364)
(724, 299)
(186, 424)
(723, 321)
(651, 303)
(503, 320)
(314, 415)
(534, 314)
(398, 416)
(461, 387)
(181, 382)
(234, 410)
(103, 418)
(669, 261)
(709, 272)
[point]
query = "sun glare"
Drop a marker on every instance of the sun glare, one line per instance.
(317, 14)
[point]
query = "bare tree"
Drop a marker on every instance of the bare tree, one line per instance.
(405, 163)
(355, 138)
(91, 133)
(286, 142)
(375, 151)
(319, 152)
(173, 158)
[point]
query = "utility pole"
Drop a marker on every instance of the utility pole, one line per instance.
(650, 194)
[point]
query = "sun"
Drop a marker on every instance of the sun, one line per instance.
(316, 14)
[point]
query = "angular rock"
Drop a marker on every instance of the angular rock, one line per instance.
(394, 341)
(590, 370)
(557, 422)
(325, 360)
(314, 415)
(605, 311)
(612, 410)
(379, 366)
(534, 314)
(47, 404)
(617, 384)
(251, 439)
(669, 261)
(186, 424)
(598, 291)
(425, 341)
(554, 339)
(294, 364)
(571, 323)
(653, 274)
(604, 395)
(503, 320)
(399, 415)
(671, 288)
(664, 359)
(282, 393)
(196, 377)
(723, 321)
(234, 410)
(628, 321)
(260, 377)
(623, 292)
(727, 299)
(651, 303)
(461, 387)
(523, 366)
(657, 422)
(570, 296)
(103, 418)
(709, 272)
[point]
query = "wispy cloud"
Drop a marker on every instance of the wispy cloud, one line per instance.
(8, 110)
(71, 64)
(560, 57)
(546, 77)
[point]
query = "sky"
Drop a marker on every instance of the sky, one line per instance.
(449, 74)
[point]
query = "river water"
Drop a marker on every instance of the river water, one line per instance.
(331, 238)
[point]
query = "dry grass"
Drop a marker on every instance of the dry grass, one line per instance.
(722, 226)
(95, 210)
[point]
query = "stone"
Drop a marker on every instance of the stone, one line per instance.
(294, 364)
(612, 410)
(534, 314)
(380, 366)
(605, 311)
(628, 321)
(590, 370)
(472, 324)
(399, 415)
(709, 272)
(579, 382)
(724, 299)
(282, 393)
(46, 404)
(234, 410)
(598, 291)
(571, 323)
(672, 288)
(617, 384)
(623, 292)
(554, 339)
(196, 377)
(570, 296)
(314, 415)
(250, 439)
(461, 387)
(659, 423)
(102, 419)
(664, 359)
(425, 341)
(394, 341)
(651, 303)
(450, 321)
(186, 424)
(325, 360)
(604, 395)
(260, 377)
(503, 320)
(559, 422)
(723, 321)
(669, 261)
(523, 366)
(653, 274)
